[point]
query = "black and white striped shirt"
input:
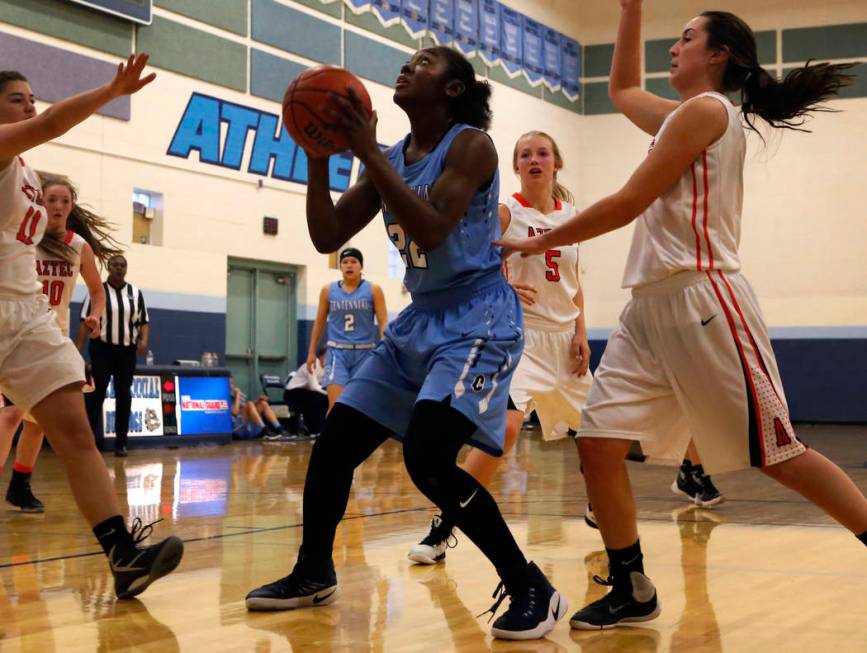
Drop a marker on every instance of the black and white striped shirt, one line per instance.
(125, 312)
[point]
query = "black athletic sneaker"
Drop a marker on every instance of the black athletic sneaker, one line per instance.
(637, 603)
(136, 570)
(296, 590)
(531, 615)
(21, 496)
(432, 549)
(696, 486)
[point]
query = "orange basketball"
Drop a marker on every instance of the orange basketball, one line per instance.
(304, 104)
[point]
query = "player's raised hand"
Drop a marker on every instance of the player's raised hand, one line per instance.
(128, 79)
(349, 116)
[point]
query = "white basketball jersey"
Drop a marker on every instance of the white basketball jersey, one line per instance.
(22, 224)
(58, 278)
(554, 274)
(696, 225)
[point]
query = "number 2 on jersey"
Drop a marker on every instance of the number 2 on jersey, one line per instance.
(28, 226)
(416, 258)
(349, 322)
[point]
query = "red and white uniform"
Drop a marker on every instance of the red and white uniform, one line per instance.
(691, 356)
(36, 358)
(58, 278)
(543, 380)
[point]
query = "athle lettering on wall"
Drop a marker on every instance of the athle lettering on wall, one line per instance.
(201, 129)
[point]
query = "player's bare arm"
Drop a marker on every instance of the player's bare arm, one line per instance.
(331, 225)
(95, 290)
(379, 308)
(700, 123)
(318, 329)
(18, 137)
(644, 109)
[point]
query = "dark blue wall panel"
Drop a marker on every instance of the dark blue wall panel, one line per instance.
(270, 76)
(372, 60)
(294, 31)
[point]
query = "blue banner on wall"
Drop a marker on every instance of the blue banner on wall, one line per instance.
(489, 31)
(414, 17)
(388, 11)
(534, 56)
(203, 405)
(442, 21)
(358, 6)
(571, 66)
(467, 26)
(511, 41)
(551, 49)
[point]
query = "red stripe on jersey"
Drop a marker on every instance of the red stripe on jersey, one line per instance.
(749, 333)
(755, 397)
(522, 201)
(70, 234)
(694, 215)
(706, 235)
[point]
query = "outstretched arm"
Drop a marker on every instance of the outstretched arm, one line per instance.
(318, 328)
(646, 110)
(380, 309)
(694, 128)
(18, 137)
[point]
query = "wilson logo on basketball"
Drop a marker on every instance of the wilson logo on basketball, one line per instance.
(317, 136)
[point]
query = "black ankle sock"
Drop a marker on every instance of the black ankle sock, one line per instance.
(446, 524)
(316, 566)
(622, 562)
(18, 477)
(516, 579)
(863, 538)
(113, 534)
(686, 464)
(698, 469)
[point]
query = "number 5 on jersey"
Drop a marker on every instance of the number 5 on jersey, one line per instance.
(413, 256)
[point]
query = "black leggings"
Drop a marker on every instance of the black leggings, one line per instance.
(434, 437)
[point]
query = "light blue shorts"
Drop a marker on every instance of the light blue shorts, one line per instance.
(465, 352)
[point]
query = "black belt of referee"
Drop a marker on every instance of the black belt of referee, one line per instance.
(348, 345)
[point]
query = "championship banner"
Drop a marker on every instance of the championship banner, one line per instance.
(534, 59)
(571, 66)
(467, 26)
(414, 17)
(489, 31)
(511, 41)
(358, 6)
(552, 58)
(388, 11)
(442, 21)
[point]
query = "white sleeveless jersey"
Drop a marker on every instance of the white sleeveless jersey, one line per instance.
(696, 225)
(58, 278)
(22, 225)
(554, 274)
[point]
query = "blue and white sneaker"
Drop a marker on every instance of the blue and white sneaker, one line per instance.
(531, 615)
(297, 590)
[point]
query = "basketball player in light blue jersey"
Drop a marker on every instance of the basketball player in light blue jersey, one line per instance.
(347, 309)
(440, 377)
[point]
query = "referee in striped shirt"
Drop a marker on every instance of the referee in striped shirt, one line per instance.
(124, 331)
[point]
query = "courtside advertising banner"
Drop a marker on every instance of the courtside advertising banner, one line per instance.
(146, 412)
(203, 405)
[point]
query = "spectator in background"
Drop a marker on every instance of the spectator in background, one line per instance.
(254, 419)
(124, 332)
(304, 393)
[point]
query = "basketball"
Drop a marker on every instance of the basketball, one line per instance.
(304, 107)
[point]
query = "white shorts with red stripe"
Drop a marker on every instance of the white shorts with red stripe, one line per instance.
(691, 357)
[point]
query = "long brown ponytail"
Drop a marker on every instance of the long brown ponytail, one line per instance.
(781, 103)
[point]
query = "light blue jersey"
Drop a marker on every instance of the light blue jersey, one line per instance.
(467, 259)
(461, 338)
(350, 316)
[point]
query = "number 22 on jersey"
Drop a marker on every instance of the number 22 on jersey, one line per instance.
(413, 256)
